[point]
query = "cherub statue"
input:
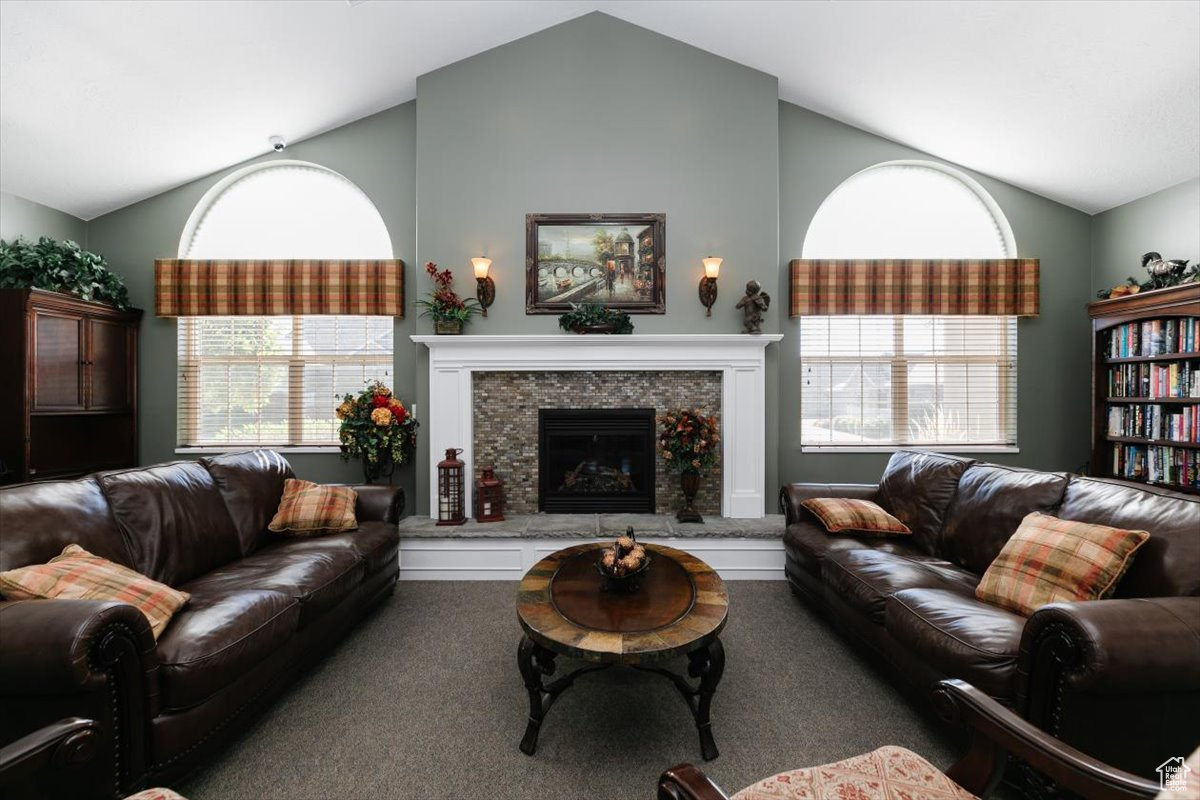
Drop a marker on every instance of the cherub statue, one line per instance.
(753, 305)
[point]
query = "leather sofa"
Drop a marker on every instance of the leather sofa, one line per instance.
(1117, 678)
(262, 609)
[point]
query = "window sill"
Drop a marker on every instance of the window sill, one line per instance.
(893, 448)
(218, 449)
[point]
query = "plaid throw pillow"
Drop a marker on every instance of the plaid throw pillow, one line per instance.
(76, 574)
(310, 509)
(838, 514)
(1050, 560)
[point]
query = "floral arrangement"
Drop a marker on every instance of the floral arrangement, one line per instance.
(591, 317)
(376, 427)
(689, 439)
(444, 303)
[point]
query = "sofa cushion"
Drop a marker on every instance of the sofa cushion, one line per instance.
(377, 543)
(808, 544)
(988, 507)
(173, 518)
(958, 636)
(1168, 565)
(54, 514)
(917, 488)
(317, 573)
(251, 484)
(863, 579)
(76, 574)
(312, 509)
(223, 633)
(846, 515)
(1049, 560)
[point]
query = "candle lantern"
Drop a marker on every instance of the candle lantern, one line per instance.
(451, 489)
(489, 497)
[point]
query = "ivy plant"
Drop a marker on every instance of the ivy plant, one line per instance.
(59, 267)
(583, 316)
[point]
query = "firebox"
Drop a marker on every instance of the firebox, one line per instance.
(596, 460)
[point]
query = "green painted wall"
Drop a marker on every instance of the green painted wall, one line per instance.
(21, 217)
(1167, 222)
(817, 154)
(376, 153)
(597, 115)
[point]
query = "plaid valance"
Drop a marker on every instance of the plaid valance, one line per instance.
(196, 288)
(1002, 286)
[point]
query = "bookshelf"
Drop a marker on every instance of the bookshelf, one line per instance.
(1146, 387)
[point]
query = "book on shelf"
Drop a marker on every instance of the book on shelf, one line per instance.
(1155, 337)
(1176, 379)
(1161, 464)
(1173, 423)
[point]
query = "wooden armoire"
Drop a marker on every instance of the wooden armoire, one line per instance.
(68, 386)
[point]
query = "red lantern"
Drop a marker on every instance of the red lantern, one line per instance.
(451, 489)
(489, 497)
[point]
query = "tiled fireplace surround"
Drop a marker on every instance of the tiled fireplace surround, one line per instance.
(485, 391)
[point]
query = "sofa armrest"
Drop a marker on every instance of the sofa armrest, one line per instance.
(82, 658)
(379, 503)
(1119, 679)
(688, 782)
(791, 495)
(1111, 645)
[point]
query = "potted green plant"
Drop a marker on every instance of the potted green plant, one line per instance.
(595, 318)
(60, 267)
(449, 311)
(690, 442)
(376, 428)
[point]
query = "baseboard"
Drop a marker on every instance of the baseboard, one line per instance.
(477, 559)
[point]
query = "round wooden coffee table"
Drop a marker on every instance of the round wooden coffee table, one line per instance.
(566, 608)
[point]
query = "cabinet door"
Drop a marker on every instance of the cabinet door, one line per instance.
(57, 361)
(108, 367)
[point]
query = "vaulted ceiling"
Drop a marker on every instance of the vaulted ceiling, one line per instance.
(103, 104)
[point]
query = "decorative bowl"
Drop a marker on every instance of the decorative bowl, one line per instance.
(623, 583)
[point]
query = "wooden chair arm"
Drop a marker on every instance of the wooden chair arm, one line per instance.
(60, 745)
(997, 732)
(688, 782)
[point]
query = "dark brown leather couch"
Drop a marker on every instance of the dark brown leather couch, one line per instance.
(262, 609)
(1119, 678)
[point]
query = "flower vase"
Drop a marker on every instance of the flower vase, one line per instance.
(383, 468)
(690, 483)
(448, 326)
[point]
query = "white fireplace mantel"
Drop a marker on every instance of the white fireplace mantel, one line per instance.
(741, 360)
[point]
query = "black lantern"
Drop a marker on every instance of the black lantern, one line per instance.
(451, 489)
(489, 497)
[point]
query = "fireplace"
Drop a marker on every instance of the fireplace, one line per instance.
(596, 460)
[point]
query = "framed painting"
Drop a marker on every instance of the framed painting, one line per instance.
(617, 260)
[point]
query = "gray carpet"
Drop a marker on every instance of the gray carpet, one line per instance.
(423, 700)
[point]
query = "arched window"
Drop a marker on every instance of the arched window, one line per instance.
(247, 380)
(883, 381)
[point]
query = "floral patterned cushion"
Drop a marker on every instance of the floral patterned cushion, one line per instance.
(156, 794)
(889, 773)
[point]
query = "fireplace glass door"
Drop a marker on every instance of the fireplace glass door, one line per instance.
(596, 460)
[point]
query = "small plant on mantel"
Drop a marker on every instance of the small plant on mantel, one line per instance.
(595, 318)
(60, 267)
(449, 311)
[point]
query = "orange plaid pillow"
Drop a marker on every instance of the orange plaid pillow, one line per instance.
(839, 514)
(1051, 560)
(76, 574)
(310, 509)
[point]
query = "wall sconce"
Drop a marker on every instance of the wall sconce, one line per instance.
(485, 287)
(708, 284)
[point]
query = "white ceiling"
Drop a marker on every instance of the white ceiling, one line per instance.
(103, 104)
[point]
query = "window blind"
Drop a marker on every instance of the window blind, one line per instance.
(875, 381)
(247, 381)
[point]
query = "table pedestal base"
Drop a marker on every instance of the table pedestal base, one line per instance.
(706, 663)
